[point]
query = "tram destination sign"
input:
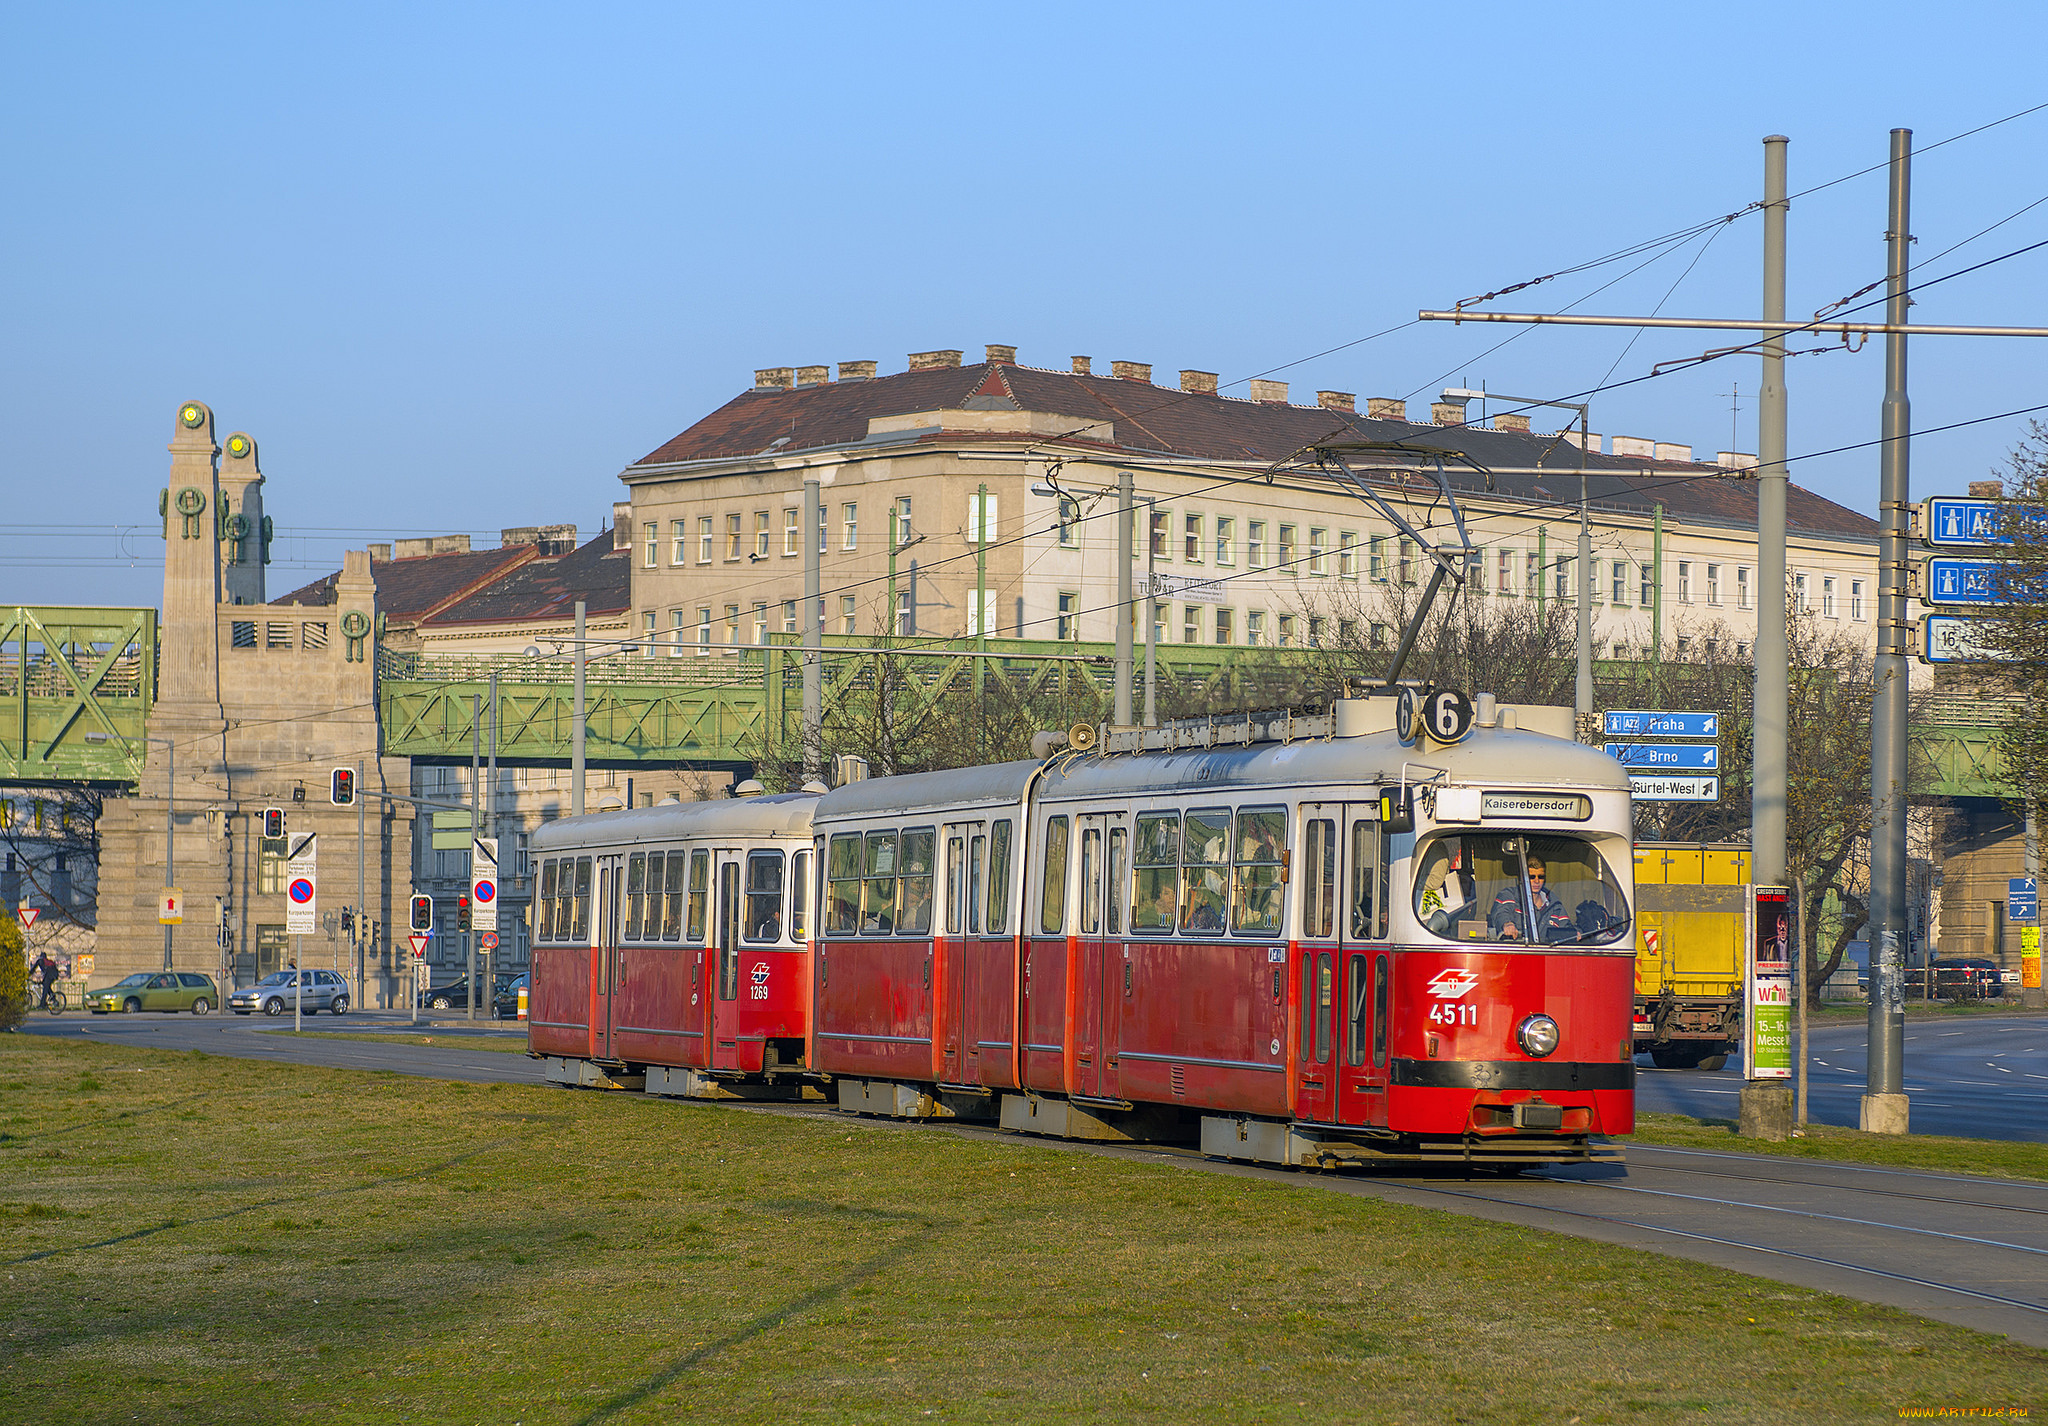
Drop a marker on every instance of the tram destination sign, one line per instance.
(1631, 723)
(1672, 787)
(1678, 757)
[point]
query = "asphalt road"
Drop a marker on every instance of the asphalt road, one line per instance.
(1972, 1251)
(1977, 1079)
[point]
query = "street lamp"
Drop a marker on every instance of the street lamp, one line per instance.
(1584, 698)
(170, 797)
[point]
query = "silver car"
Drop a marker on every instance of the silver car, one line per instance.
(275, 994)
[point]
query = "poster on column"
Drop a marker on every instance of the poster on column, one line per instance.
(301, 887)
(1767, 1001)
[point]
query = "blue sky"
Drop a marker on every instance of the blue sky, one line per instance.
(454, 267)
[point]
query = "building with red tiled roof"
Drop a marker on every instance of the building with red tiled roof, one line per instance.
(1252, 541)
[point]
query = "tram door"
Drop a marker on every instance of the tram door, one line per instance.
(958, 960)
(725, 1002)
(1316, 963)
(1104, 973)
(604, 954)
(1365, 976)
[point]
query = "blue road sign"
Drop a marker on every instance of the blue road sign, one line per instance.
(1948, 521)
(2022, 899)
(1624, 723)
(1963, 583)
(1704, 757)
(1952, 638)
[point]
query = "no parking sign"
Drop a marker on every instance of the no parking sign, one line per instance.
(302, 887)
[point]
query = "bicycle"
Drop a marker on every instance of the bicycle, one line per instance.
(53, 1000)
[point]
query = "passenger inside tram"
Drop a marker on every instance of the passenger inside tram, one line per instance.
(1546, 890)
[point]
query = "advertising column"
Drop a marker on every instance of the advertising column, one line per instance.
(1767, 986)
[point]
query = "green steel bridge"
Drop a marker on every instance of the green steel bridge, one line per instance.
(76, 686)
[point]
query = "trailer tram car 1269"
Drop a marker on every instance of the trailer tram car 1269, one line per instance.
(670, 948)
(1377, 935)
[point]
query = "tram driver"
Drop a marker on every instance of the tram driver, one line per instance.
(1508, 914)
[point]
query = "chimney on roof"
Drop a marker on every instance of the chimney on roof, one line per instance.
(856, 370)
(1269, 391)
(1084, 366)
(622, 524)
(1735, 460)
(1203, 382)
(1337, 400)
(1386, 408)
(547, 539)
(1635, 446)
(433, 545)
(813, 375)
(774, 378)
(1131, 371)
(1986, 490)
(1508, 421)
(1570, 437)
(381, 553)
(933, 361)
(1671, 450)
(1447, 413)
(1006, 356)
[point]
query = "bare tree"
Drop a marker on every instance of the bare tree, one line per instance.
(52, 838)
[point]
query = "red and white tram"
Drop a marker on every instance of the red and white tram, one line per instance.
(1311, 941)
(671, 943)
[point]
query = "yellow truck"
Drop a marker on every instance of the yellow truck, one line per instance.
(1690, 899)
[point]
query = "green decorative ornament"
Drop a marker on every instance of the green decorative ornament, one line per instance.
(191, 500)
(194, 416)
(238, 446)
(355, 623)
(238, 527)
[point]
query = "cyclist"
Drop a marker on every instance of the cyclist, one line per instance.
(46, 972)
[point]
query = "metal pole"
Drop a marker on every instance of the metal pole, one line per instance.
(1127, 610)
(576, 724)
(813, 627)
(1151, 620)
(2031, 996)
(476, 731)
(1657, 583)
(298, 983)
(1767, 798)
(362, 912)
(981, 616)
(1885, 1107)
(170, 800)
(491, 781)
(1584, 697)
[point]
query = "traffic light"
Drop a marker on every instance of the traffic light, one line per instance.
(273, 823)
(342, 787)
(462, 913)
(423, 913)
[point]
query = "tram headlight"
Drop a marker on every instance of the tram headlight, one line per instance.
(1538, 1035)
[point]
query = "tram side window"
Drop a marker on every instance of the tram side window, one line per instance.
(582, 903)
(956, 881)
(1261, 850)
(650, 930)
(1325, 1001)
(1368, 882)
(842, 885)
(1357, 986)
(700, 894)
(636, 893)
(1119, 855)
(914, 908)
(977, 862)
(800, 895)
(1091, 881)
(1158, 872)
(546, 901)
(1205, 872)
(1052, 903)
(878, 889)
(999, 878)
(1379, 1010)
(672, 913)
(1319, 878)
(764, 896)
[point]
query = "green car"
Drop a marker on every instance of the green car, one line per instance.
(156, 990)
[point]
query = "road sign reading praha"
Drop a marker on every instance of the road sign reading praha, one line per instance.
(2022, 899)
(1625, 723)
(1964, 583)
(1705, 757)
(1659, 787)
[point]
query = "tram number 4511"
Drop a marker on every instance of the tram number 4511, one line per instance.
(1454, 1015)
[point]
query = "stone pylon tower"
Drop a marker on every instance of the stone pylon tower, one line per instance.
(244, 528)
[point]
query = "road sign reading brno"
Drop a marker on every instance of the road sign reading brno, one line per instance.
(1951, 638)
(1962, 583)
(2022, 899)
(1628, 723)
(1658, 787)
(301, 886)
(1705, 757)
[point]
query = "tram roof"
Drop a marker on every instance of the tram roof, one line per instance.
(999, 784)
(785, 814)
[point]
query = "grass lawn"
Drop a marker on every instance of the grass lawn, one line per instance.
(189, 1238)
(504, 1044)
(1997, 1158)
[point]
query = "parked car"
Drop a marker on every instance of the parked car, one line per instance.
(275, 994)
(506, 1005)
(455, 994)
(156, 990)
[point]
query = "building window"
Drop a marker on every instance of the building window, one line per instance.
(732, 626)
(1191, 624)
(704, 539)
(1226, 540)
(849, 524)
(269, 866)
(1713, 584)
(760, 622)
(1318, 554)
(1225, 630)
(1685, 581)
(1347, 632)
(1376, 559)
(732, 537)
(1286, 631)
(679, 535)
(792, 531)
(1158, 521)
(1381, 634)
(1191, 539)
(906, 613)
(1532, 573)
(1742, 653)
(653, 543)
(679, 632)
(846, 618)
(1404, 561)
(703, 630)
(1565, 592)
(824, 528)
(1504, 572)
(1159, 615)
(1315, 631)
(650, 633)
(1799, 593)
(1067, 626)
(1255, 544)
(1347, 554)
(1856, 600)
(1285, 553)
(1070, 523)
(1827, 597)
(1620, 589)
(789, 616)
(1742, 586)
(902, 519)
(1649, 590)
(760, 534)
(1255, 627)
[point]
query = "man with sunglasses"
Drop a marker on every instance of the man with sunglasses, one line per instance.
(1508, 916)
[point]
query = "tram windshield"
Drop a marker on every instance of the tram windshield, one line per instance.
(1508, 888)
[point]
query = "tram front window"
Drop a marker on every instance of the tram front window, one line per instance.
(1503, 888)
